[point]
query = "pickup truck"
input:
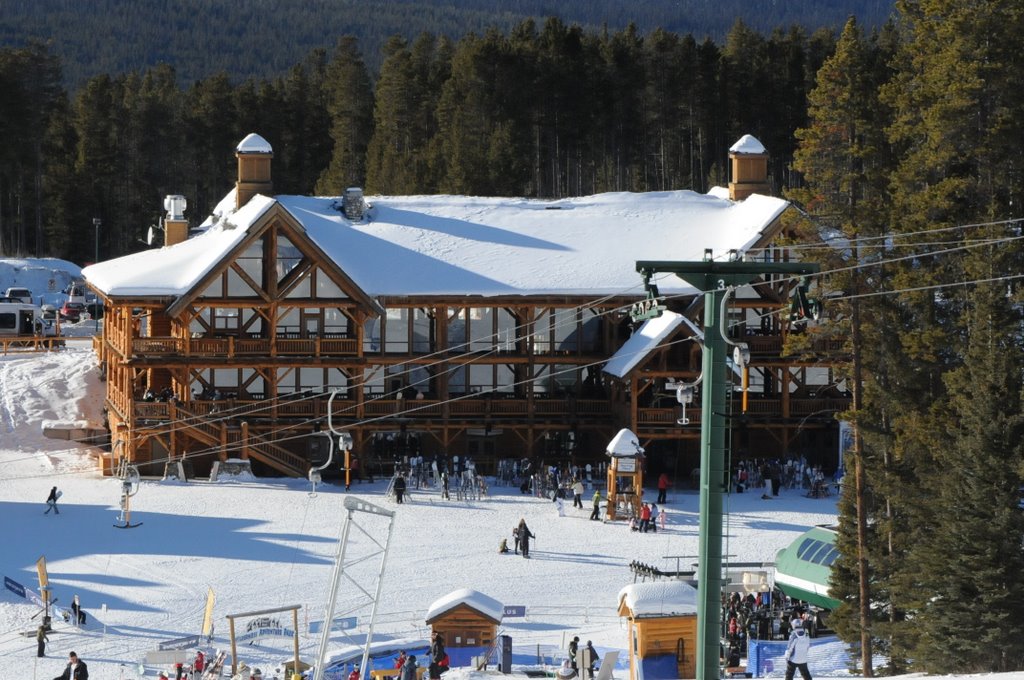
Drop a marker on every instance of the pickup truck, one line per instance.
(19, 294)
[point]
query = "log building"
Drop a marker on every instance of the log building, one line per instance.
(492, 328)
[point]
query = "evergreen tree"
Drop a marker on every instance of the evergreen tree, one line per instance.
(350, 107)
(957, 128)
(390, 150)
(842, 156)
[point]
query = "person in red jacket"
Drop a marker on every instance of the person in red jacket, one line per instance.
(400, 659)
(662, 488)
(645, 518)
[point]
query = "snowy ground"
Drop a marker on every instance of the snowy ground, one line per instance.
(268, 543)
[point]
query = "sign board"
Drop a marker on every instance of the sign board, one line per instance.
(166, 658)
(514, 610)
(14, 587)
(181, 643)
(339, 624)
(266, 632)
(625, 464)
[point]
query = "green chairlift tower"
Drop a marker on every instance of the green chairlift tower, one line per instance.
(716, 279)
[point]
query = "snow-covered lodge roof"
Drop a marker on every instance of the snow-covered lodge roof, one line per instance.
(458, 245)
(658, 599)
(473, 599)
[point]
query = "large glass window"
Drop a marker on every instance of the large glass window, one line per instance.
(422, 331)
(225, 319)
(396, 332)
(288, 257)
(457, 328)
(481, 329)
(251, 262)
(541, 331)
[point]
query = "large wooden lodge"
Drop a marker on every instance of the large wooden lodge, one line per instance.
(446, 325)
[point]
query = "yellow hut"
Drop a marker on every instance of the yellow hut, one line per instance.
(662, 625)
(466, 618)
(625, 475)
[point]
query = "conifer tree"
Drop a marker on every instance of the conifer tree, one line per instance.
(843, 159)
(350, 106)
(957, 127)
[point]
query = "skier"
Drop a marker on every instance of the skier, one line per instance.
(399, 487)
(51, 501)
(596, 514)
(41, 640)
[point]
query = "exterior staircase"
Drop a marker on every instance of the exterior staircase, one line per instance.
(211, 431)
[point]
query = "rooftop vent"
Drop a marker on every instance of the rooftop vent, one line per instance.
(175, 206)
(353, 206)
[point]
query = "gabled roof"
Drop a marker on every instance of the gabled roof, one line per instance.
(456, 245)
(473, 599)
(645, 340)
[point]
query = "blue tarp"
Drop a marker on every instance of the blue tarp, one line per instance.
(767, 658)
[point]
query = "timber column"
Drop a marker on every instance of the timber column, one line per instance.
(714, 279)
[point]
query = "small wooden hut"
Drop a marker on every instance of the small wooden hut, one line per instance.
(466, 618)
(625, 475)
(662, 625)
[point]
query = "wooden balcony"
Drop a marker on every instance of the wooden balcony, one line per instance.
(244, 347)
(476, 408)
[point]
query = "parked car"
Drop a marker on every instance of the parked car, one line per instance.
(72, 311)
(20, 294)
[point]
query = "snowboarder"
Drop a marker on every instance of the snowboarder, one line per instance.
(503, 546)
(596, 514)
(198, 664)
(574, 647)
(51, 501)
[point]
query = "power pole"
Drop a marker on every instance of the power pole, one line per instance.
(715, 279)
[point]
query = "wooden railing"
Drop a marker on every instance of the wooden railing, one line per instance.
(277, 457)
(231, 346)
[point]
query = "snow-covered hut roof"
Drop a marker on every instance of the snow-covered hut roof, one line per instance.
(459, 245)
(658, 599)
(748, 144)
(473, 599)
(625, 444)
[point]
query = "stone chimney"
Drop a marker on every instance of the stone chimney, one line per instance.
(175, 224)
(748, 167)
(254, 155)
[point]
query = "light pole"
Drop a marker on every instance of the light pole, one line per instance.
(96, 223)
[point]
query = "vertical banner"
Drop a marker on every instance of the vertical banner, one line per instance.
(44, 580)
(207, 630)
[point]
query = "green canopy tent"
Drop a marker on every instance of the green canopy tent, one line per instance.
(802, 570)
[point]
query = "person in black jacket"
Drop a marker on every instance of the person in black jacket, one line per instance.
(438, 657)
(524, 537)
(399, 487)
(75, 670)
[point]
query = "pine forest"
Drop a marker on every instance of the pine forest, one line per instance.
(900, 146)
